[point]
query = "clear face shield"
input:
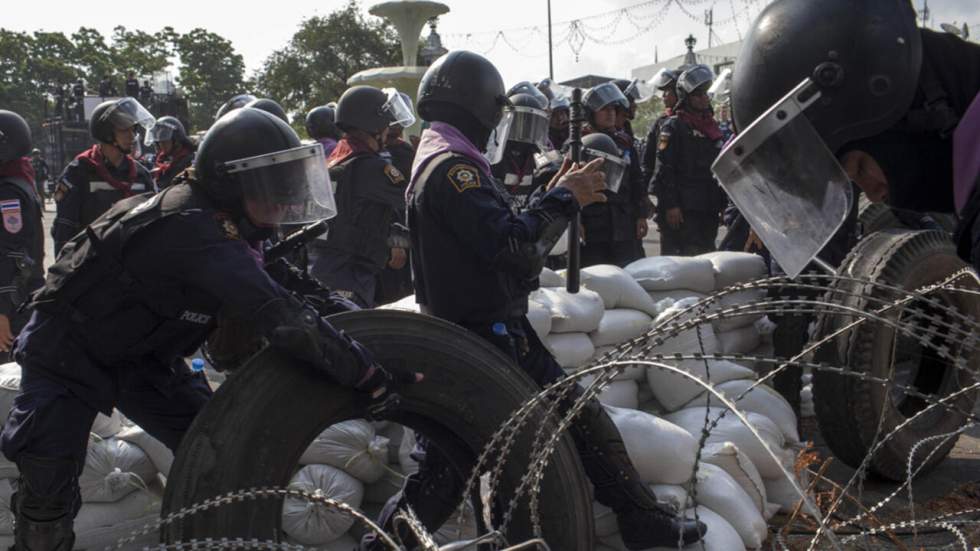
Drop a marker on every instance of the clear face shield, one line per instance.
(397, 109)
(160, 132)
(285, 187)
(529, 126)
(127, 114)
(613, 166)
(786, 182)
(663, 78)
(722, 86)
(604, 94)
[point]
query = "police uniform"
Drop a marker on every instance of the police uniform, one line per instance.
(90, 185)
(650, 151)
(518, 175)
(683, 179)
(21, 248)
(610, 227)
(120, 309)
(169, 166)
(394, 285)
(370, 194)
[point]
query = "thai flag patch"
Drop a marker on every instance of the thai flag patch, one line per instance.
(12, 219)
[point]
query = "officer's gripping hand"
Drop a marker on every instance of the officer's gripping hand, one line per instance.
(585, 183)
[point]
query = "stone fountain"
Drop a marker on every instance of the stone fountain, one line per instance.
(408, 17)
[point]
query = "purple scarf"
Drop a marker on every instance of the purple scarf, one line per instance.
(439, 138)
(966, 155)
(328, 146)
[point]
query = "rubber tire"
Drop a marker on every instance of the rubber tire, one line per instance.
(252, 433)
(876, 217)
(848, 409)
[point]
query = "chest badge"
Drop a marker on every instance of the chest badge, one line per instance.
(13, 220)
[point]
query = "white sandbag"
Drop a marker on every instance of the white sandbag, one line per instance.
(406, 304)
(561, 246)
(6, 515)
(632, 373)
(661, 452)
(571, 313)
(668, 273)
(739, 341)
(761, 399)
(160, 455)
(700, 339)
(550, 278)
(394, 433)
(617, 288)
(315, 523)
(765, 327)
(672, 390)
(93, 516)
(733, 267)
(107, 426)
(780, 491)
(733, 321)
(9, 385)
(540, 318)
(570, 349)
(738, 465)
(731, 429)
(351, 446)
(605, 520)
(674, 495)
(456, 529)
(620, 325)
(665, 299)
(806, 401)
(718, 491)
(114, 468)
(620, 394)
(405, 461)
(719, 537)
(343, 543)
(385, 487)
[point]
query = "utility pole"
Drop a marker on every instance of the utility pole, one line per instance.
(925, 13)
(709, 20)
(551, 60)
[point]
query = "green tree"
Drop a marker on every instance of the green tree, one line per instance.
(210, 72)
(141, 52)
(93, 57)
(647, 113)
(326, 51)
(18, 91)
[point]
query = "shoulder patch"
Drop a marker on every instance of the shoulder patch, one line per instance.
(13, 220)
(463, 177)
(393, 174)
(227, 226)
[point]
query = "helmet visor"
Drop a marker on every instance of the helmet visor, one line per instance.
(530, 126)
(603, 95)
(633, 90)
(695, 77)
(526, 87)
(397, 110)
(127, 113)
(160, 132)
(499, 137)
(722, 86)
(786, 182)
(286, 187)
(613, 166)
(664, 78)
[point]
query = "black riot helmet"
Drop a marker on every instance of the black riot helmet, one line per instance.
(371, 110)
(600, 96)
(468, 81)
(629, 88)
(528, 89)
(15, 136)
(235, 102)
(321, 123)
(600, 146)
(863, 56)
(530, 124)
(120, 114)
(167, 129)
(250, 156)
(693, 78)
(269, 106)
(665, 79)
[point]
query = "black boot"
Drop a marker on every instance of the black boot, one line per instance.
(45, 504)
(643, 522)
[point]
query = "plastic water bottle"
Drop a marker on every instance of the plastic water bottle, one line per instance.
(197, 364)
(499, 329)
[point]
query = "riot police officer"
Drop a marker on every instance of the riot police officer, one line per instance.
(625, 117)
(868, 97)
(517, 170)
(104, 174)
(396, 283)
(175, 151)
(113, 320)
(269, 106)
(666, 82)
(321, 126)
(22, 236)
(235, 102)
(474, 261)
(689, 200)
(613, 230)
(370, 194)
(41, 174)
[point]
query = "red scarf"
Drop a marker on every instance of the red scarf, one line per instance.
(164, 162)
(96, 160)
(18, 168)
(347, 147)
(704, 123)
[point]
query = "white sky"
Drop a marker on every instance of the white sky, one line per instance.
(256, 32)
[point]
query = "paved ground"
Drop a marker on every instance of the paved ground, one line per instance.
(962, 467)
